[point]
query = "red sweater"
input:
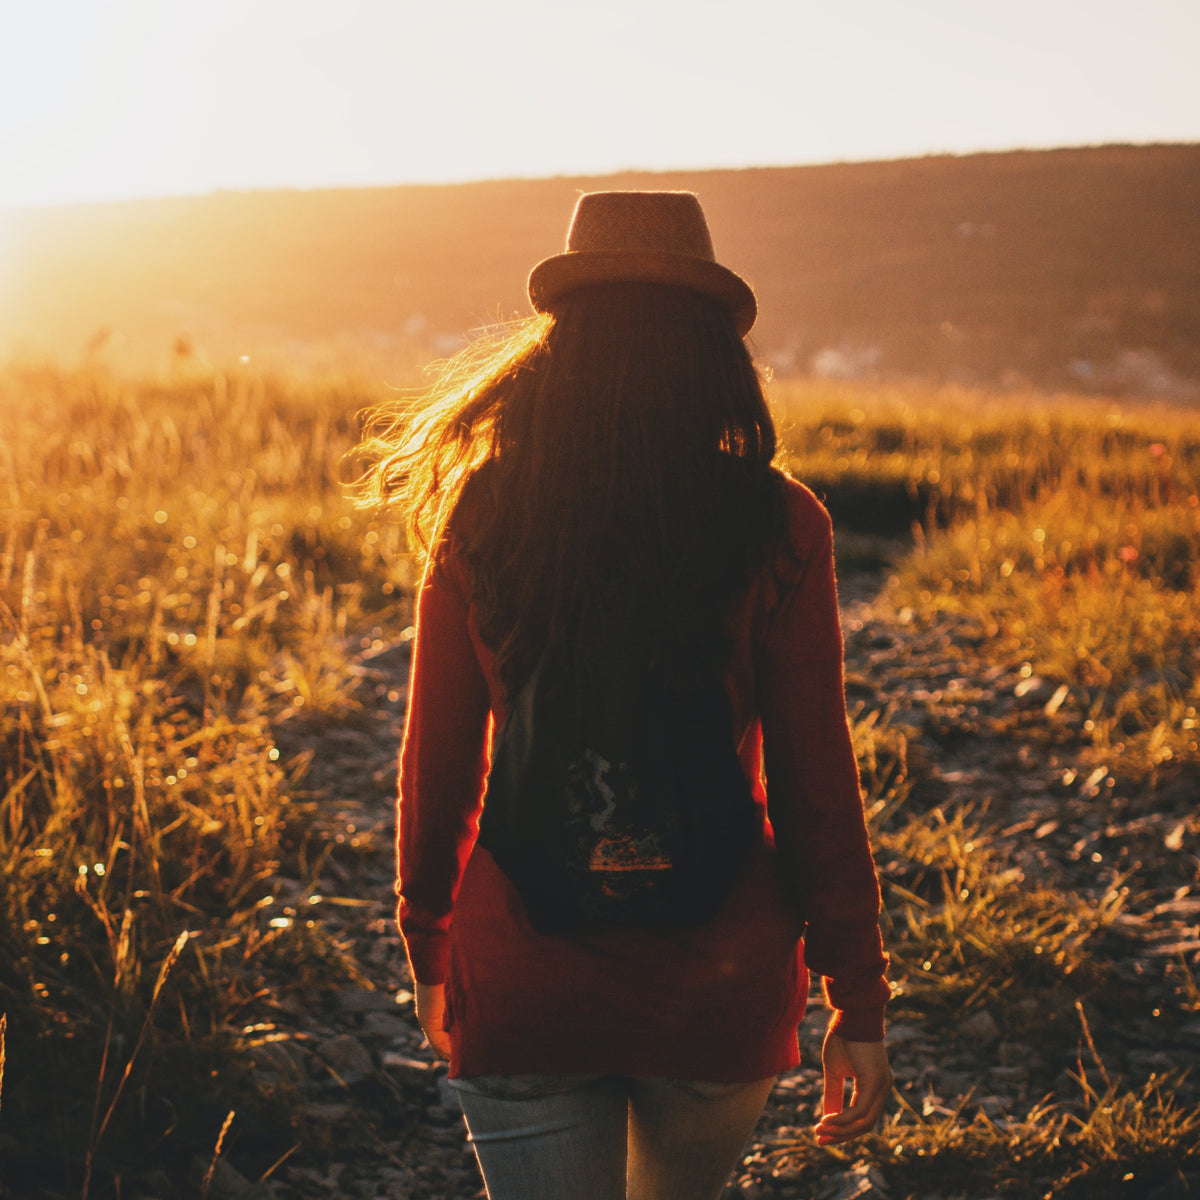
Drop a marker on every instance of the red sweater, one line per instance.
(721, 1001)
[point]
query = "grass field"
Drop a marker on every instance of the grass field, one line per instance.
(182, 579)
(1067, 530)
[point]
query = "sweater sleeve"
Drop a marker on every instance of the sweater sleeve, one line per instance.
(443, 761)
(813, 796)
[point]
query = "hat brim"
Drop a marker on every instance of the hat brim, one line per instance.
(554, 277)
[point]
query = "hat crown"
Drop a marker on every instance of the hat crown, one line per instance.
(641, 237)
(671, 222)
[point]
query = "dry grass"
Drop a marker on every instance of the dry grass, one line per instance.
(1117, 1142)
(182, 577)
(1067, 530)
(1062, 538)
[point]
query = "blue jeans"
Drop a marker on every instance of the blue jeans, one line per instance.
(607, 1137)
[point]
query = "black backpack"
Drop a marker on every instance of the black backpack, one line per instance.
(626, 808)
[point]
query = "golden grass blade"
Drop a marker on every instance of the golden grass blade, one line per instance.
(163, 972)
(212, 1166)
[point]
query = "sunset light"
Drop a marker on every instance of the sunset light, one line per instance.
(115, 99)
(599, 598)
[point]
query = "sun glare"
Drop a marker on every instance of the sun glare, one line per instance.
(112, 99)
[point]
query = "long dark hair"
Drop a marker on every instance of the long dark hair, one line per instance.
(606, 473)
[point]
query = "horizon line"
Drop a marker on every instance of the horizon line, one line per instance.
(28, 207)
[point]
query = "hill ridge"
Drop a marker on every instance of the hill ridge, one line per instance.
(1072, 267)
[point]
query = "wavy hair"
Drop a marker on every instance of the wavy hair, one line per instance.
(605, 472)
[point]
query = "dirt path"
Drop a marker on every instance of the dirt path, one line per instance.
(996, 738)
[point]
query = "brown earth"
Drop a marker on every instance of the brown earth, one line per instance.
(978, 735)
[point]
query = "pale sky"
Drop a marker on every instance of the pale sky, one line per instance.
(115, 99)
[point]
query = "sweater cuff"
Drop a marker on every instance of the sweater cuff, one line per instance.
(858, 1024)
(428, 955)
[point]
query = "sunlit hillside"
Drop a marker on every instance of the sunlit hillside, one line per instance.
(1075, 268)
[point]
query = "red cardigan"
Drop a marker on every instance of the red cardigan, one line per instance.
(720, 1002)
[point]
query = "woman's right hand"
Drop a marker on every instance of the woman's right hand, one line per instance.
(866, 1064)
(431, 1014)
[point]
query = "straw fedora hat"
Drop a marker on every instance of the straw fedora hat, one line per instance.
(649, 237)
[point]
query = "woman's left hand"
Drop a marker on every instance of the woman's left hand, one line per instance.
(431, 1013)
(866, 1065)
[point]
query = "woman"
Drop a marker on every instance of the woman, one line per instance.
(602, 484)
